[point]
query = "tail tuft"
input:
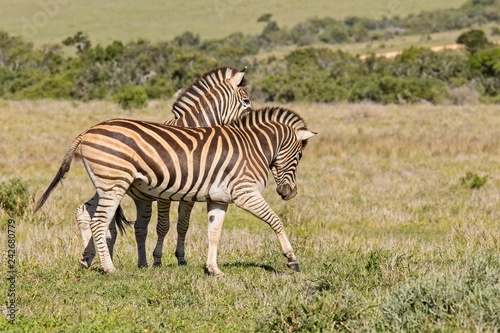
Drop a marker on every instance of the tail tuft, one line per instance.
(121, 220)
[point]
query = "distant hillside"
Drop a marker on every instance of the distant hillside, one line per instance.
(50, 21)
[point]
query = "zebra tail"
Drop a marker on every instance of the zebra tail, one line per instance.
(121, 220)
(61, 172)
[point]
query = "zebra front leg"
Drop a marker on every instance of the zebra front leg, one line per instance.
(185, 209)
(216, 213)
(84, 214)
(104, 213)
(255, 204)
(144, 209)
(162, 228)
(83, 219)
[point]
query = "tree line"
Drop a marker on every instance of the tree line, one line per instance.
(139, 70)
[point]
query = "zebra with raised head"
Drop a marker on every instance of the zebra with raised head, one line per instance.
(217, 98)
(219, 165)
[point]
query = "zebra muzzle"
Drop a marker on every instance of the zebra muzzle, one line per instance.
(286, 191)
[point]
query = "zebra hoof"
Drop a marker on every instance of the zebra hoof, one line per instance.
(215, 273)
(294, 266)
(84, 263)
(182, 262)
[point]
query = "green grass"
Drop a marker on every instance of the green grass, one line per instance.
(126, 20)
(387, 236)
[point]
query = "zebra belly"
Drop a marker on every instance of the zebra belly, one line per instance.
(140, 189)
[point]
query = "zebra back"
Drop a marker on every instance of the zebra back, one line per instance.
(217, 98)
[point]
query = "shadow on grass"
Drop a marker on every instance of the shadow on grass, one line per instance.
(244, 264)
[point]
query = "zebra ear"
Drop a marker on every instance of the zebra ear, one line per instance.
(237, 79)
(304, 135)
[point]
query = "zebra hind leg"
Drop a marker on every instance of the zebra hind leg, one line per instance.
(185, 209)
(144, 209)
(162, 228)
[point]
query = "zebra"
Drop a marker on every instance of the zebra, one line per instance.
(217, 98)
(218, 165)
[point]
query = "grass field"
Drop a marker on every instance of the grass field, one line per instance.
(105, 21)
(387, 236)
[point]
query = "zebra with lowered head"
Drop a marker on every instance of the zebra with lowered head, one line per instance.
(219, 165)
(217, 98)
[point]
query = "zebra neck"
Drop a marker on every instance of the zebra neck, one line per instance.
(265, 145)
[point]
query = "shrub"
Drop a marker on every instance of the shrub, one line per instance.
(486, 63)
(473, 181)
(14, 196)
(57, 87)
(474, 40)
(160, 87)
(416, 89)
(367, 89)
(131, 97)
(187, 40)
(388, 89)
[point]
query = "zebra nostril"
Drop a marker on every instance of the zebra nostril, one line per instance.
(286, 191)
(292, 194)
(283, 191)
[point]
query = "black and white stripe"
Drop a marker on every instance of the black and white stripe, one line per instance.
(219, 165)
(217, 98)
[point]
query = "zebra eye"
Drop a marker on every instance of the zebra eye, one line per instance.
(246, 102)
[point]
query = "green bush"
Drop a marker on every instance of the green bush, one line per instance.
(56, 87)
(474, 40)
(24, 79)
(473, 181)
(14, 196)
(367, 89)
(131, 97)
(484, 72)
(388, 90)
(160, 87)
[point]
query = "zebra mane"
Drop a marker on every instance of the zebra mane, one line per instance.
(274, 114)
(196, 90)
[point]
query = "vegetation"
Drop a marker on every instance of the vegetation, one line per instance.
(133, 72)
(14, 196)
(474, 40)
(473, 181)
(387, 237)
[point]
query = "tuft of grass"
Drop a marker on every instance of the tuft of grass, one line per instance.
(473, 180)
